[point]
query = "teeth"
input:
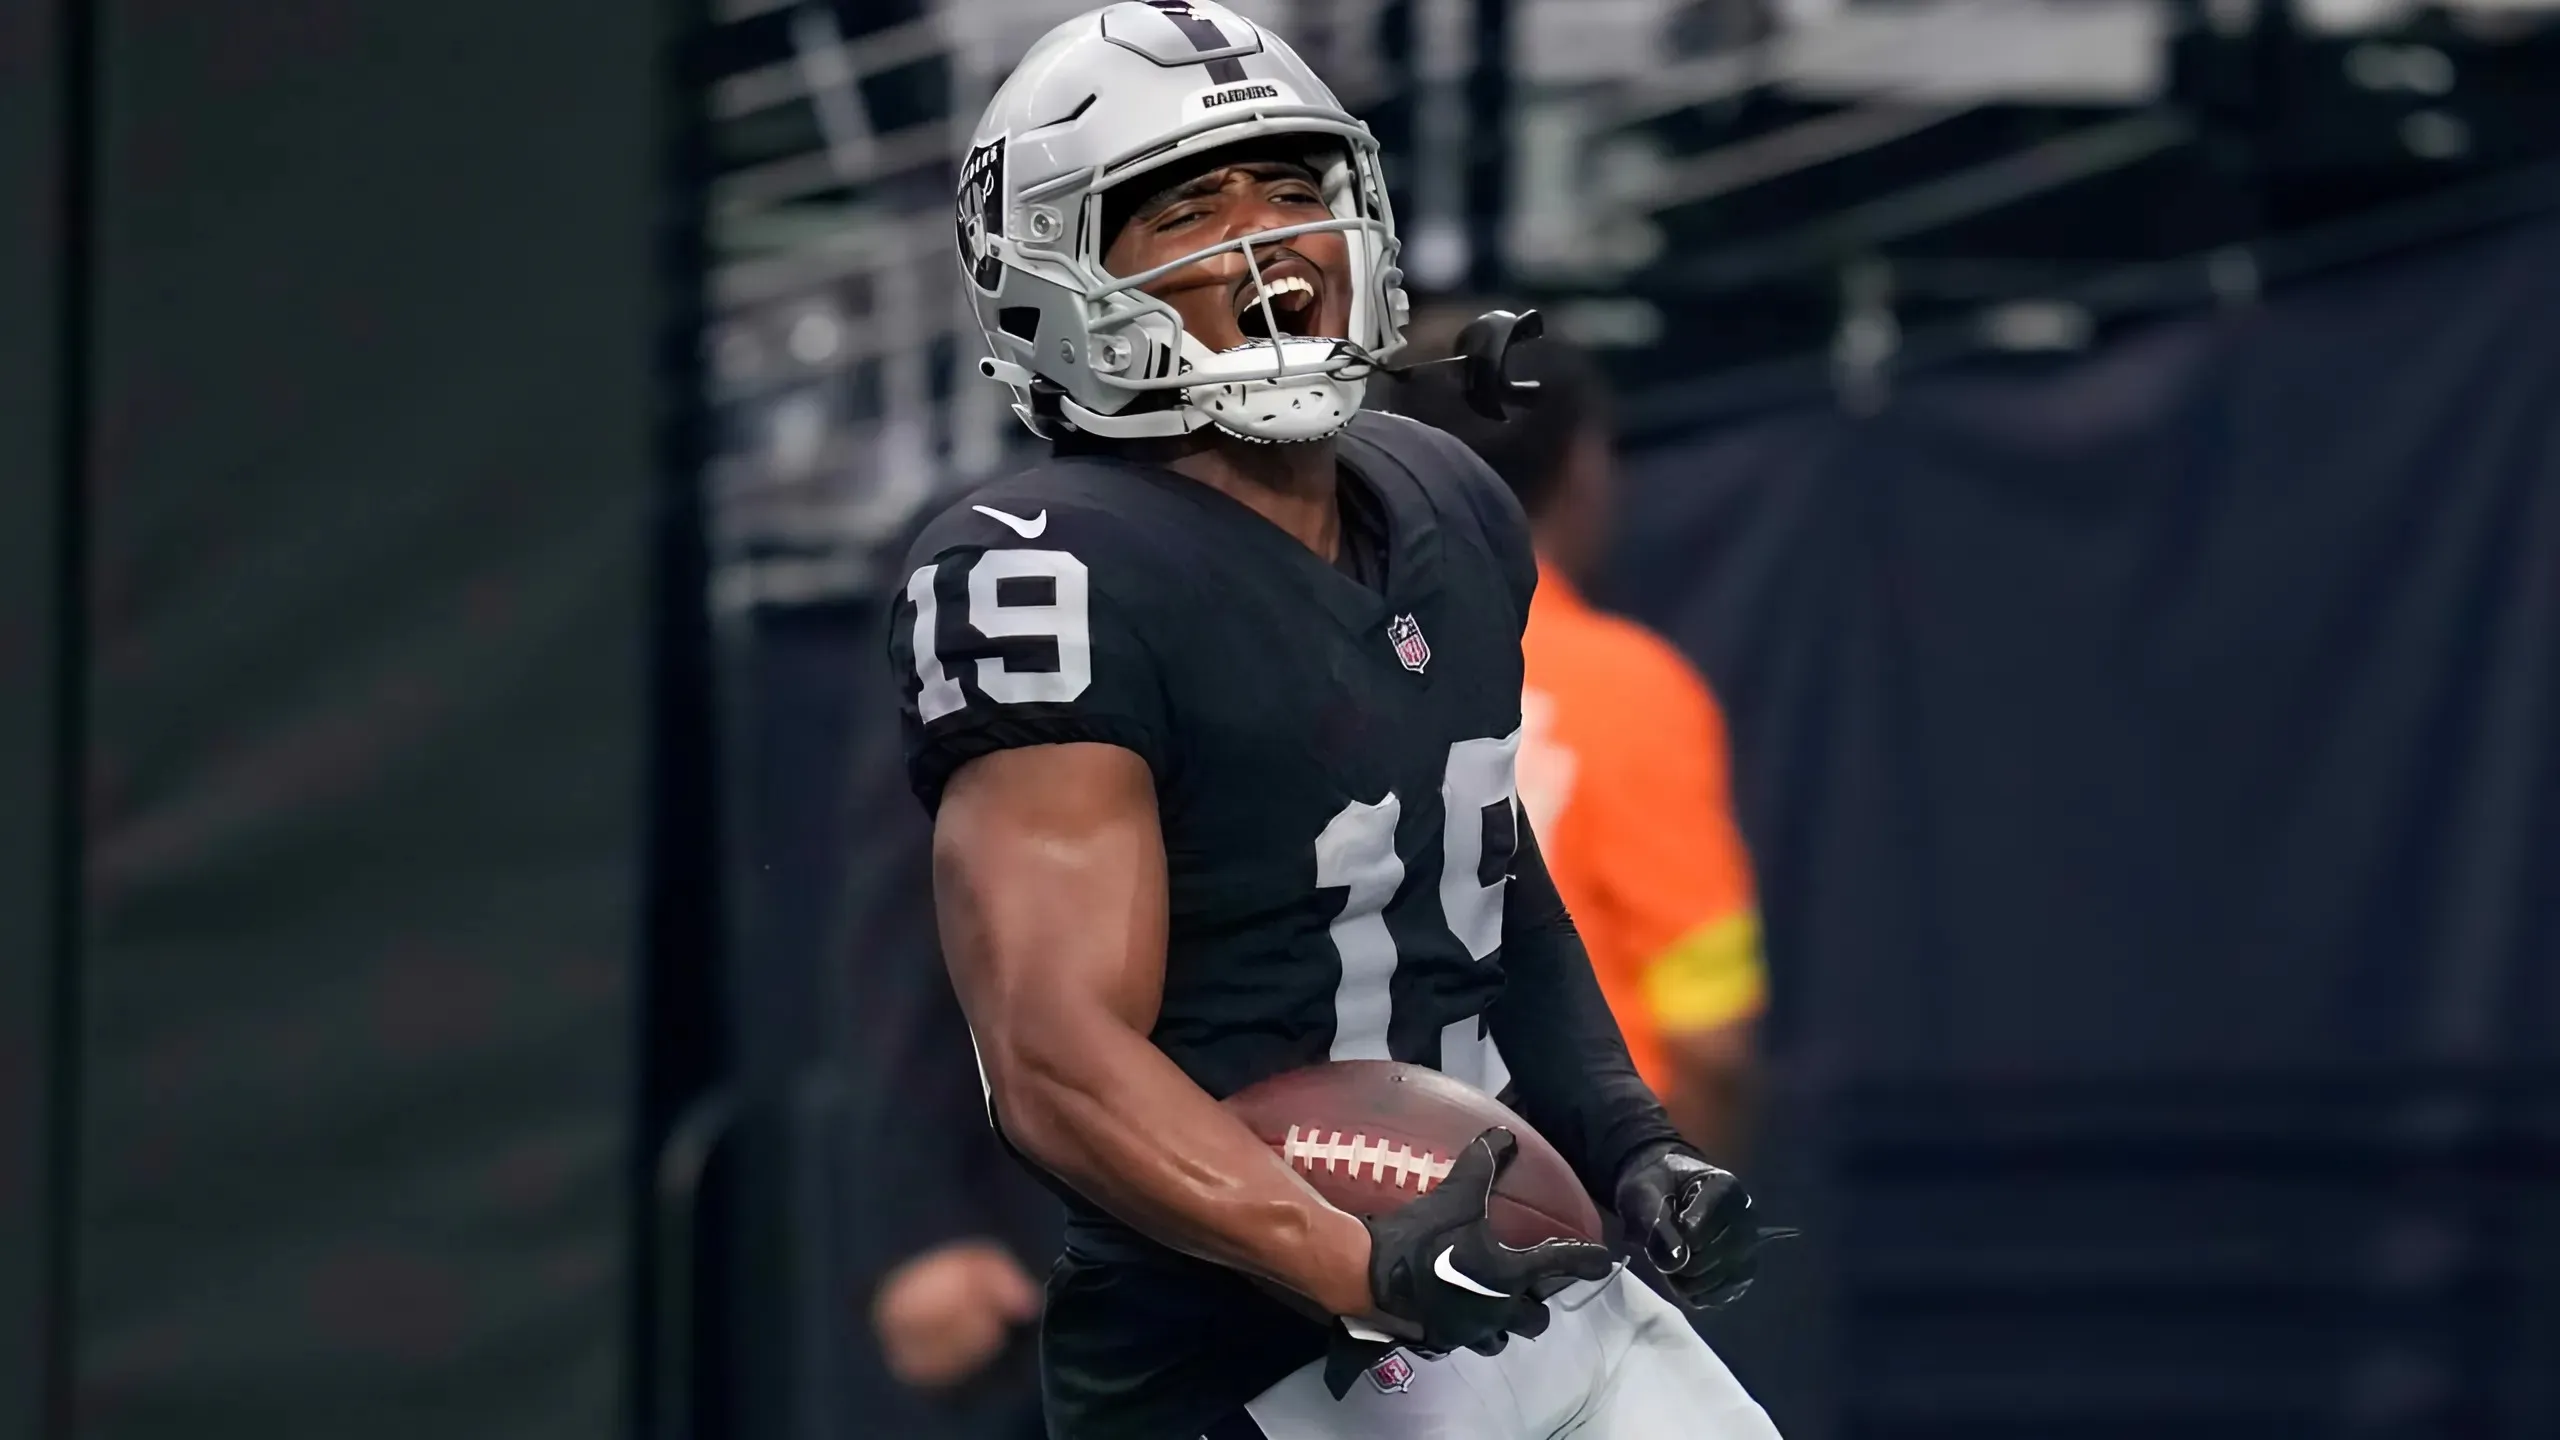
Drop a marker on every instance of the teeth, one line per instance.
(1279, 289)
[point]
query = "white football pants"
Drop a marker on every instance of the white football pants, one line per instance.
(1618, 1362)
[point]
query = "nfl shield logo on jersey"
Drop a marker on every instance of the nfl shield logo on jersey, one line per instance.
(1392, 1374)
(1411, 648)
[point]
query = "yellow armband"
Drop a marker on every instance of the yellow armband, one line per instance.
(1710, 977)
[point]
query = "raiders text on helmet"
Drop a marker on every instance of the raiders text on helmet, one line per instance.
(1109, 99)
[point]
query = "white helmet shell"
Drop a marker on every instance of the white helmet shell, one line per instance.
(1103, 100)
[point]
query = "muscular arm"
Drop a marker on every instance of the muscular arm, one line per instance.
(1568, 1062)
(1049, 878)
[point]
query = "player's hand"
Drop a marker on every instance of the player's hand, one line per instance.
(1443, 1281)
(944, 1314)
(1695, 1223)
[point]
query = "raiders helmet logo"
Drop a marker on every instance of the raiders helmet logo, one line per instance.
(981, 214)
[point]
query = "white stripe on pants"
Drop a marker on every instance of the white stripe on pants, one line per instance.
(1618, 1362)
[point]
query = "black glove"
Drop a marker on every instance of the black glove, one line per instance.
(1694, 1222)
(1442, 1281)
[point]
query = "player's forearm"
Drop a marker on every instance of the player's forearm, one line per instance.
(1570, 1071)
(1049, 882)
(1110, 1115)
(1568, 1062)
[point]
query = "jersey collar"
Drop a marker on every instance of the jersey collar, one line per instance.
(1413, 553)
(1413, 530)
(1413, 542)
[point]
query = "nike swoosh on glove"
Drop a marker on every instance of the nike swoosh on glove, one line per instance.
(1441, 1279)
(1695, 1223)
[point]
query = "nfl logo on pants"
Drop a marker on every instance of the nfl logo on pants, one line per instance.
(1411, 648)
(1392, 1374)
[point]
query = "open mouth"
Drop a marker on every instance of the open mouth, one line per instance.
(1292, 287)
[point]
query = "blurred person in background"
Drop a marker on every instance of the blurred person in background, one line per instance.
(963, 1233)
(1623, 765)
(951, 1235)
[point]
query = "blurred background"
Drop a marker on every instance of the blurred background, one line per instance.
(465, 958)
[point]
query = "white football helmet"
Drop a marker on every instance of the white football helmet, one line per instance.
(1106, 100)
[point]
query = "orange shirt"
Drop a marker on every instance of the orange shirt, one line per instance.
(1623, 773)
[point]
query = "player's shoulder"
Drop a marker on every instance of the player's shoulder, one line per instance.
(1461, 489)
(1093, 507)
(1455, 477)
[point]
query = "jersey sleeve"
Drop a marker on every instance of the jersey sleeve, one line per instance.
(1506, 528)
(1678, 879)
(1505, 523)
(1570, 1073)
(1023, 627)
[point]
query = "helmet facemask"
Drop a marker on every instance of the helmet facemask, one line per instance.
(1281, 372)
(1277, 380)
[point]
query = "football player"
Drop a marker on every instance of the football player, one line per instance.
(1217, 713)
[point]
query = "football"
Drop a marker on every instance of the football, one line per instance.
(1370, 1135)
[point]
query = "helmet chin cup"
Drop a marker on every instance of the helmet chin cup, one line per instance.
(1279, 412)
(1236, 392)
(1318, 389)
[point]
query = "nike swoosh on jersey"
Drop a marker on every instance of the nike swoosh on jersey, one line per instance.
(1448, 1271)
(1028, 529)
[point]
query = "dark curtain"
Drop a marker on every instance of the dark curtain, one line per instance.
(2191, 705)
(2149, 759)
(35, 145)
(372, 458)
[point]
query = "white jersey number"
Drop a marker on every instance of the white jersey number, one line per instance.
(1357, 854)
(1065, 618)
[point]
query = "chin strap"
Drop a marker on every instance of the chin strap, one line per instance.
(1163, 424)
(1005, 372)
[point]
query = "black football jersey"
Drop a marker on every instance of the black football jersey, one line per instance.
(1333, 765)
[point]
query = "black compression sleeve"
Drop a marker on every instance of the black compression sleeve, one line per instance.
(1570, 1073)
